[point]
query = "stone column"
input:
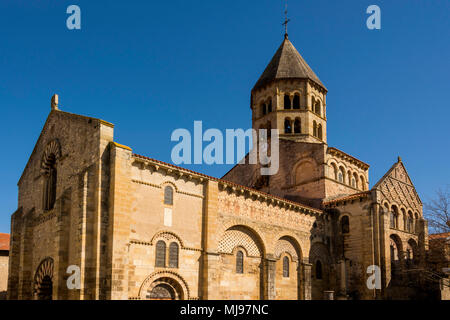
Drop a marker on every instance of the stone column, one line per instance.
(210, 238)
(269, 278)
(306, 280)
(60, 275)
(343, 279)
(122, 197)
(26, 274)
(14, 256)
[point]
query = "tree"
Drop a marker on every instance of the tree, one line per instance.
(437, 211)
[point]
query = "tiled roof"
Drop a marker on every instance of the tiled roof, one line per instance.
(438, 236)
(4, 241)
(230, 183)
(287, 63)
(347, 198)
(344, 154)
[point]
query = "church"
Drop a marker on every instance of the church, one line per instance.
(137, 228)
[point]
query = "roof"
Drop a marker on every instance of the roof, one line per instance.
(231, 184)
(287, 63)
(354, 196)
(398, 164)
(4, 242)
(341, 153)
(45, 125)
(439, 236)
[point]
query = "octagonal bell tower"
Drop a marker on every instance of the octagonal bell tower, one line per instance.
(290, 97)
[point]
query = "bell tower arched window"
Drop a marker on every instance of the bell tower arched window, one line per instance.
(314, 128)
(264, 109)
(287, 126)
(296, 102)
(297, 126)
(269, 106)
(287, 102)
(319, 131)
(317, 108)
(50, 177)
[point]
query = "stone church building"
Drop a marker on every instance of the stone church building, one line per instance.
(139, 228)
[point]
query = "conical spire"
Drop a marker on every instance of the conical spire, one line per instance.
(287, 63)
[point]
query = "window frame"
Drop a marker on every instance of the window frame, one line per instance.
(239, 262)
(166, 195)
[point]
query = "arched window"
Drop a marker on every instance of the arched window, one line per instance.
(269, 107)
(394, 218)
(314, 128)
(335, 171)
(287, 102)
(160, 254)
(341, 177)
(297, 126)
(392, 249)
(345, 224)
(50, 177)
(264, 109)
(296, 103)
(405, 219)
(355, 183)
(363, 184)
(286, 267)
(168, 195)
(287, 126)
(317, 108)
(239, 262)
(410, 223)
(173, 255)
(318, 270)
(319, 131)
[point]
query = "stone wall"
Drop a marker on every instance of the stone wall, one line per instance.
(4, 261)
(70, 233)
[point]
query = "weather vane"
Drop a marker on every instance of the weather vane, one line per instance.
(286, 21)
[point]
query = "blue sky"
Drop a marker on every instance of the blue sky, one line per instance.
(153, 66)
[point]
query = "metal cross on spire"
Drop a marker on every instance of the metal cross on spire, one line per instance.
(286, 21)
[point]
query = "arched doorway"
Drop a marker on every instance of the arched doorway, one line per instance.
(43, 280)
(320, 259)
(163, 288)
(396, 258)
(162, 291)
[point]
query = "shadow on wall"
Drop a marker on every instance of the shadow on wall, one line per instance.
(2, 295)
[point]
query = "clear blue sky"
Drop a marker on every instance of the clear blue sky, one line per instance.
(153, 66)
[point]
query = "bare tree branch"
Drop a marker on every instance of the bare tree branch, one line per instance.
(437, 211)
